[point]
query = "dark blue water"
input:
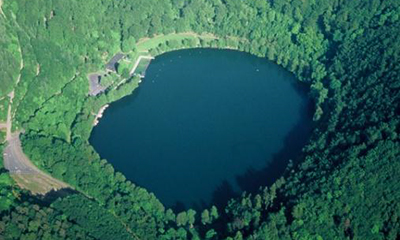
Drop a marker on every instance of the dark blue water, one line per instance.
(205, 125)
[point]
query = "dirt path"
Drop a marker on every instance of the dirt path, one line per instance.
(11, 95)
(1, 8)
(22, 170)
(9, 120)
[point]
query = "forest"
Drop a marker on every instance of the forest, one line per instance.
(344, 185)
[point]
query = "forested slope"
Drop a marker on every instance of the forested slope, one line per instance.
(344, 185)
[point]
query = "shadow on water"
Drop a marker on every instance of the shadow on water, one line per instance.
(293, 144)
(123, 102)
(223, 193)
(126, 101)
(220, 197)
(252, 179)
(178, 207)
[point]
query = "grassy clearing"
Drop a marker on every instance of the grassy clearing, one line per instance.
(142, 66)
(146, 44)
(137, 60)
(127, 63)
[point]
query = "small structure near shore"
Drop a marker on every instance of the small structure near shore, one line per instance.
(140, 67)
(95, 87)
(113, 63)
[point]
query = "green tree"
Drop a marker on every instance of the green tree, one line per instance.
(210, 234)
(191, 217)
(182, 219)
(205, 217)
(214, 213)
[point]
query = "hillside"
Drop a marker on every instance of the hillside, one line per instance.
(343, 186)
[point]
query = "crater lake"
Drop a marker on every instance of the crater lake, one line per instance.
(205, 125)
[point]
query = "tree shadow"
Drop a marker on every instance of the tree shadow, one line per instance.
(223, 193)
(295, 140)
(220, 197)
(178, 207)
(53, 195)
(252, 179)
(200, 205)
(125, 101)
(48, 198)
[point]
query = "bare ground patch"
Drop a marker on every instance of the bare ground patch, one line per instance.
(36, 183)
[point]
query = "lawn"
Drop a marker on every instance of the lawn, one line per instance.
(145, 44)
(142, 66)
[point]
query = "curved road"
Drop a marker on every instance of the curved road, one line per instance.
(21, 169)
(24, 172)
(15, 160)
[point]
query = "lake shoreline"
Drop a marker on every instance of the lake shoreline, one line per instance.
(99, 115)
(219, 114)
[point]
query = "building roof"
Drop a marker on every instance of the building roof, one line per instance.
(112, 64)
(94, 84)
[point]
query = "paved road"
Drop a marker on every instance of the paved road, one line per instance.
(15, 160)
(24, 172)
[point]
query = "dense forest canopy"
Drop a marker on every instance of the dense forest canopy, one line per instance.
(343, 186)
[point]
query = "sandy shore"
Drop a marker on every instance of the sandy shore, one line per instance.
(100, 114)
